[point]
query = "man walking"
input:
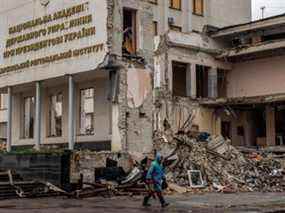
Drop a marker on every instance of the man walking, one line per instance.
(154, 179)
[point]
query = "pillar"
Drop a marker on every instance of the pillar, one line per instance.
(38, 116)
(163, 16)
(187, 16)
(270, 126)
(193, 81)
(9, 120)
(213, 83)
(71, 117)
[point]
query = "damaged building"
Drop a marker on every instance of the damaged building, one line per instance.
(107, 75)
(227, 80)
(66, 73)
(80, 74)
(252, 114)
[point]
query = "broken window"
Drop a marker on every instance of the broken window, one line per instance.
(175, 4)
(179, 79)
(129, 31)
(202, 75)
(87, 111)
(222, 83)
(198, 7)
(29, 114)
(55, 115)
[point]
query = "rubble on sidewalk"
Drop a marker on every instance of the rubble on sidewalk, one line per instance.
(130, 184)
(223, 167)
(12, 185)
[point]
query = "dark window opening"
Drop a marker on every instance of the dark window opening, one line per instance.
(280, 125)
(222, 83)
(226, 129)
(202, 75)
(155, 28)
(179, 71)
(240, 131)
(129, 31)
(273, 37)
(260, 122)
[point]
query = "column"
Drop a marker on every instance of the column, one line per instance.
(270, 126)
(38, 116)
(187, 16)
(193, 81)
(9, 120)
(71, 116)
(213, 83)
(163, 16)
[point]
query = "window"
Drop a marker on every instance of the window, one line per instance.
(179, 82)
(226, 129)
(222, 83)
(155, 29)
(55, 115)
(3, 133)
(175, 28)
(175, 4)
(87, 111)
(3, 101)
(29, 114)
(202, 76)
(198, 7)
(129, 33)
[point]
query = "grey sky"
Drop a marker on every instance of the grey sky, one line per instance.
(273, 7)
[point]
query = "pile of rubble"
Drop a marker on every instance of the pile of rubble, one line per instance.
(210, 163)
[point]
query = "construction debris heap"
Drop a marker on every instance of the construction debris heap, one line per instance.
(223, 168)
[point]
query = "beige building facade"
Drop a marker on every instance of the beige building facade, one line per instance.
(90, 74)
(255, 88)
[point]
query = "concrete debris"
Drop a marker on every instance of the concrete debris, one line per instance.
(12, 185)
(177, 188)
(223, 167)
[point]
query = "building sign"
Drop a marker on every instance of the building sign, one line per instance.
(52, 39)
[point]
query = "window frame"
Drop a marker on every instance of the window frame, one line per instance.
(195, 9)
(80, 110)
(49, 135)
(23, 127)
(134, 17)
(3, 106)
(172, 6)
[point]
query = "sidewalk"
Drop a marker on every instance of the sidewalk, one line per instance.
(245, 202)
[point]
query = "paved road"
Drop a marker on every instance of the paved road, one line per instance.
(246, 202)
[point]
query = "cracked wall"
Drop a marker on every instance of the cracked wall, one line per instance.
(132, 109)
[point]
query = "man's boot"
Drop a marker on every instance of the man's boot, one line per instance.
(162, 201)
(145, 201)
